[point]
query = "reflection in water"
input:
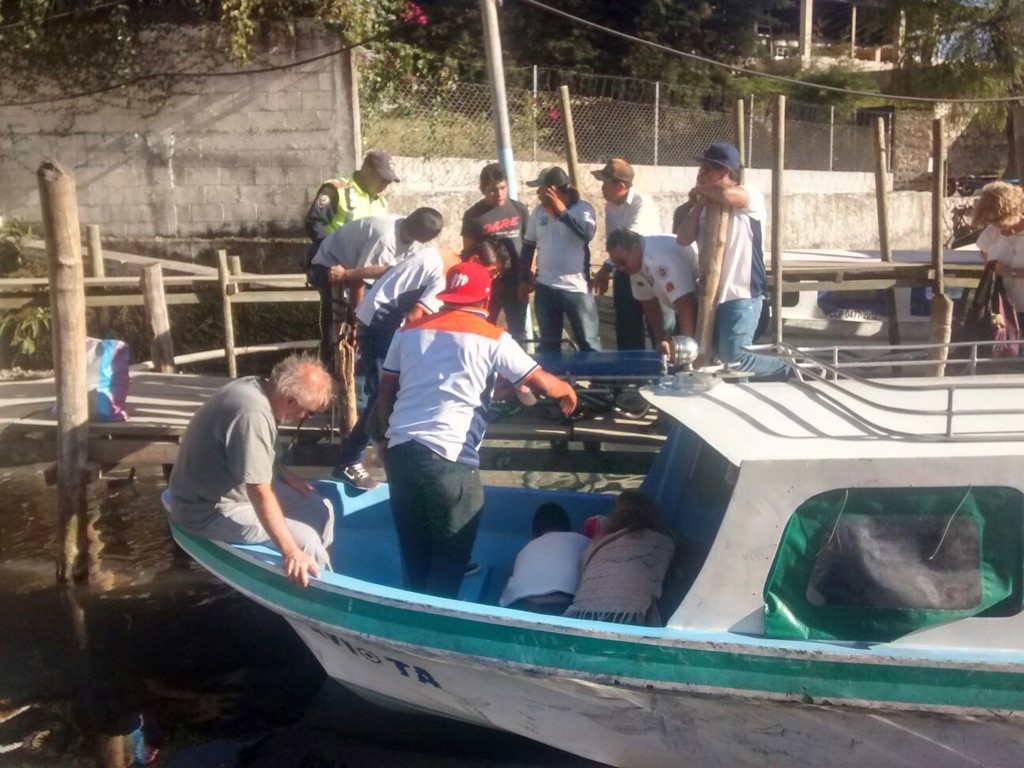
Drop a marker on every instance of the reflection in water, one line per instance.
(154, 654)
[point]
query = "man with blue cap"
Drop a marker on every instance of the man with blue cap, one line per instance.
(743, 284)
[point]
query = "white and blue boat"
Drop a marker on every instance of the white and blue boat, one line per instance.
(847, 591)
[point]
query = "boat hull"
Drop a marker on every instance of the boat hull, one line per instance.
(639, 725)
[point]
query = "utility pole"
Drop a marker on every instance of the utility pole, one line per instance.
(499, 106)
(806, 32)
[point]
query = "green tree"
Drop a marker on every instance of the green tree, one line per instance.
(52, 47)
(964, 48)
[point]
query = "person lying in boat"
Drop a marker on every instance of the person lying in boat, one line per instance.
(436, 386)
(226, 485)
(546, 570)
(622, 570)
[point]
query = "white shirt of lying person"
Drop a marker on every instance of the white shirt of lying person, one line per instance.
(669, 270)
(550, 563)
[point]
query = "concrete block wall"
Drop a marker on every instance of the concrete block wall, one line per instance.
(224, 156)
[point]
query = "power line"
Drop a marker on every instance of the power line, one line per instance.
(767, 76)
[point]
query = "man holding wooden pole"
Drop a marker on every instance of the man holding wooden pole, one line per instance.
(739, 264)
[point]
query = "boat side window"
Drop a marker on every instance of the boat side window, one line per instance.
(873, 564)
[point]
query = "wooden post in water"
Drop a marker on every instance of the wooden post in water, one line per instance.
(67, 306)
(740, 130)
(712, 251)
(161, 347)
(570, 137)
(229, 321)
(778, 170)
(882, 204)
(942, 305)
(98, 269)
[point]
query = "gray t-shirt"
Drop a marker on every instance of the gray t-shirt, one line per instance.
(228, 443)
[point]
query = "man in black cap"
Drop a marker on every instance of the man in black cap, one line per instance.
(743, 284)
(559, 230)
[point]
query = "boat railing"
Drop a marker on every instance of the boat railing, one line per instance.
(821, 368)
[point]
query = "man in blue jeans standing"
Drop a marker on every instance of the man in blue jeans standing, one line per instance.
(559, 232)
(438, 379)
(743, 284)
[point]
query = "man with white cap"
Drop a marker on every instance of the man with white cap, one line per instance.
(743, 284)
(436, 387)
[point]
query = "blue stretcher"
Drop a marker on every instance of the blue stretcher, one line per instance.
(600, 377)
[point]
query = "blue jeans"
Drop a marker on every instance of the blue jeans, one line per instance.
(554, 304)
(436, 505)
(735, 324)
(373, 348)
(505, 296)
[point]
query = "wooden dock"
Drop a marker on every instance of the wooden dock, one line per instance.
(160, 406)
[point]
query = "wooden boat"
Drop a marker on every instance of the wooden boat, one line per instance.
(847, 589)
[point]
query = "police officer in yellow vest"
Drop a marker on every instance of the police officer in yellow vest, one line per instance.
(339, 201)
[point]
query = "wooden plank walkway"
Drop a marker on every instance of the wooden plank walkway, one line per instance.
(160, 406)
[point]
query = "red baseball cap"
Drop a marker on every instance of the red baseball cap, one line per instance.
(467, 283)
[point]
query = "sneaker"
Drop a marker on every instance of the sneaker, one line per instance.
(355, 475)
(472, 569)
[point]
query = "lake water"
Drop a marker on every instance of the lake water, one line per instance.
(155, 646)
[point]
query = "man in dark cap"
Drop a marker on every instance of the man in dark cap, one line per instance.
(560, 230)
(743, 284)
(339, 201)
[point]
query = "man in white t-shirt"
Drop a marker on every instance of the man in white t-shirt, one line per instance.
(662, 273)
(359, 252)
(743, 284)
(437, 384)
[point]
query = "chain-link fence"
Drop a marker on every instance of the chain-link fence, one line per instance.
(648, 123)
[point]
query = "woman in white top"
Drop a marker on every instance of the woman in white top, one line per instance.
(1000, 209)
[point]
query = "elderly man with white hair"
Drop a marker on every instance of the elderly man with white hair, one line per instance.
(226, 485)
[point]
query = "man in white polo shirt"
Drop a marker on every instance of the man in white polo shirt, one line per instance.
(438, 379)
(662, 273)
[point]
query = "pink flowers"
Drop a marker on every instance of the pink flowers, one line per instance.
(553, 114)
(413, 14)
